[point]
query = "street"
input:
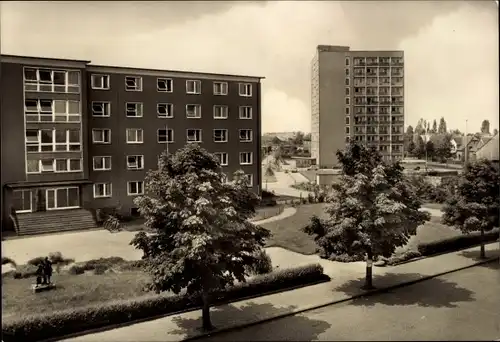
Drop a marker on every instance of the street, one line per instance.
(463, 305)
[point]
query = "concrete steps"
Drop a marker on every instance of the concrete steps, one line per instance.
(55, 221)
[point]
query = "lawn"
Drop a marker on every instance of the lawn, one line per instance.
(309, 174)
(268, 178)
(266, 212)
(287, 232)
(71, 291)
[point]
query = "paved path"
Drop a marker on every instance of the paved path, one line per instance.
(463, 305)
(87, 245)
(283, 184)
(345, 283)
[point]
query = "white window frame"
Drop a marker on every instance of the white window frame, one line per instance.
(139, 110)
(242, 154)
(169, 108)
(167, 81)
(245, 89)
(137, 140)
(138, 83)
(68, 165)
(196, 130)
(223, 88)
(223, 158)
(105, 186)
(53, 144)
(103, 161)
(106, 109)
(94, 141)
(53, 166)
(104, 80)
(248, 135)
(222, 110)
(39, 167)
(197, 111)
(37, 85)
(137, 186)
(171, 135)
(249, 177)
(54, 116)
(196, 87)
(139, 162)
(224, 137)
(243, 112)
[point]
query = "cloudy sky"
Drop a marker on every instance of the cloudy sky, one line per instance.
(451, 47)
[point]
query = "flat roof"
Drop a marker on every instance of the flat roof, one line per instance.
(59, 62)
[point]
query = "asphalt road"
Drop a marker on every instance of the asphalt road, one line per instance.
(464, 305)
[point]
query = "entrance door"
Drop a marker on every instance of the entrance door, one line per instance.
(22, 201)
(63, 198)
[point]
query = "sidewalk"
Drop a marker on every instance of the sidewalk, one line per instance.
(344, 285)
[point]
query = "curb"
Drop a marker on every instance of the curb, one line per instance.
(366, 294)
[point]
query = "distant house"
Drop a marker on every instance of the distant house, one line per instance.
(473, 144)
(488, 149)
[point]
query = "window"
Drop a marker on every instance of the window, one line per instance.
(193, 111)
(165, 85)
(53, 81)
(133, 83)
(220, 112)
(53, 140)
(101, 163)
(102, 190)
(347, 110)
(347, 91)
(100, 82)
(101, 109)
(222, 157)
(220, 88)
(220, 135)
(347, 101)
(245, 135)
(347, 72)
(347, 121)
(347, 130)
(165, 110)
(48, 165)
(135, 136)
(347, 82)
(40, 110)
(193, 87)
(135, 188)
(32, 166)
(245, 89)
(133, 109)
(135, 162)
(249, 178)
(101, 136)
(68, 165)
(246, 158)
(347, 61)
(245, 112)
(193, 135)
(165, 135)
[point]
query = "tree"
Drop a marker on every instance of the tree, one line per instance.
(371, 211)
(475, 204)
(298, 140)
(411, 148)
(442, 129)
(307, 137)
(495, 131)
(419, 128)
(434, 127)
(443, 147)
(202, 240)
(485, 127)
(409, 130)
(276, 141)
(419, 150)
(429, 147)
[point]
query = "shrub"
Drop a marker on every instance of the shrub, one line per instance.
(347, 258)
(408, 255)
(56, 258)
(310, 198)
(267, 194)
(36, 261)
(457, 243)
(60, 323)
(432, 173)
(264, 265)
(76, 269)
(24, 271)
(6, 261)
(99, 266)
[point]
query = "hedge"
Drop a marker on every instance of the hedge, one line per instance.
(60, 323)
(457, 243)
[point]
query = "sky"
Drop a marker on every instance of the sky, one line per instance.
(451, 47)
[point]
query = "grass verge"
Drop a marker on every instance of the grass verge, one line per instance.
(52, 324)
(267, 212)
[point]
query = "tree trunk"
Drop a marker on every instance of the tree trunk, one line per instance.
(207, 322)
(482, 254)
(369, 268)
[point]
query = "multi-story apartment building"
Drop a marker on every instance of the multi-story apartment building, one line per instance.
(356, 95)
(77, 136)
